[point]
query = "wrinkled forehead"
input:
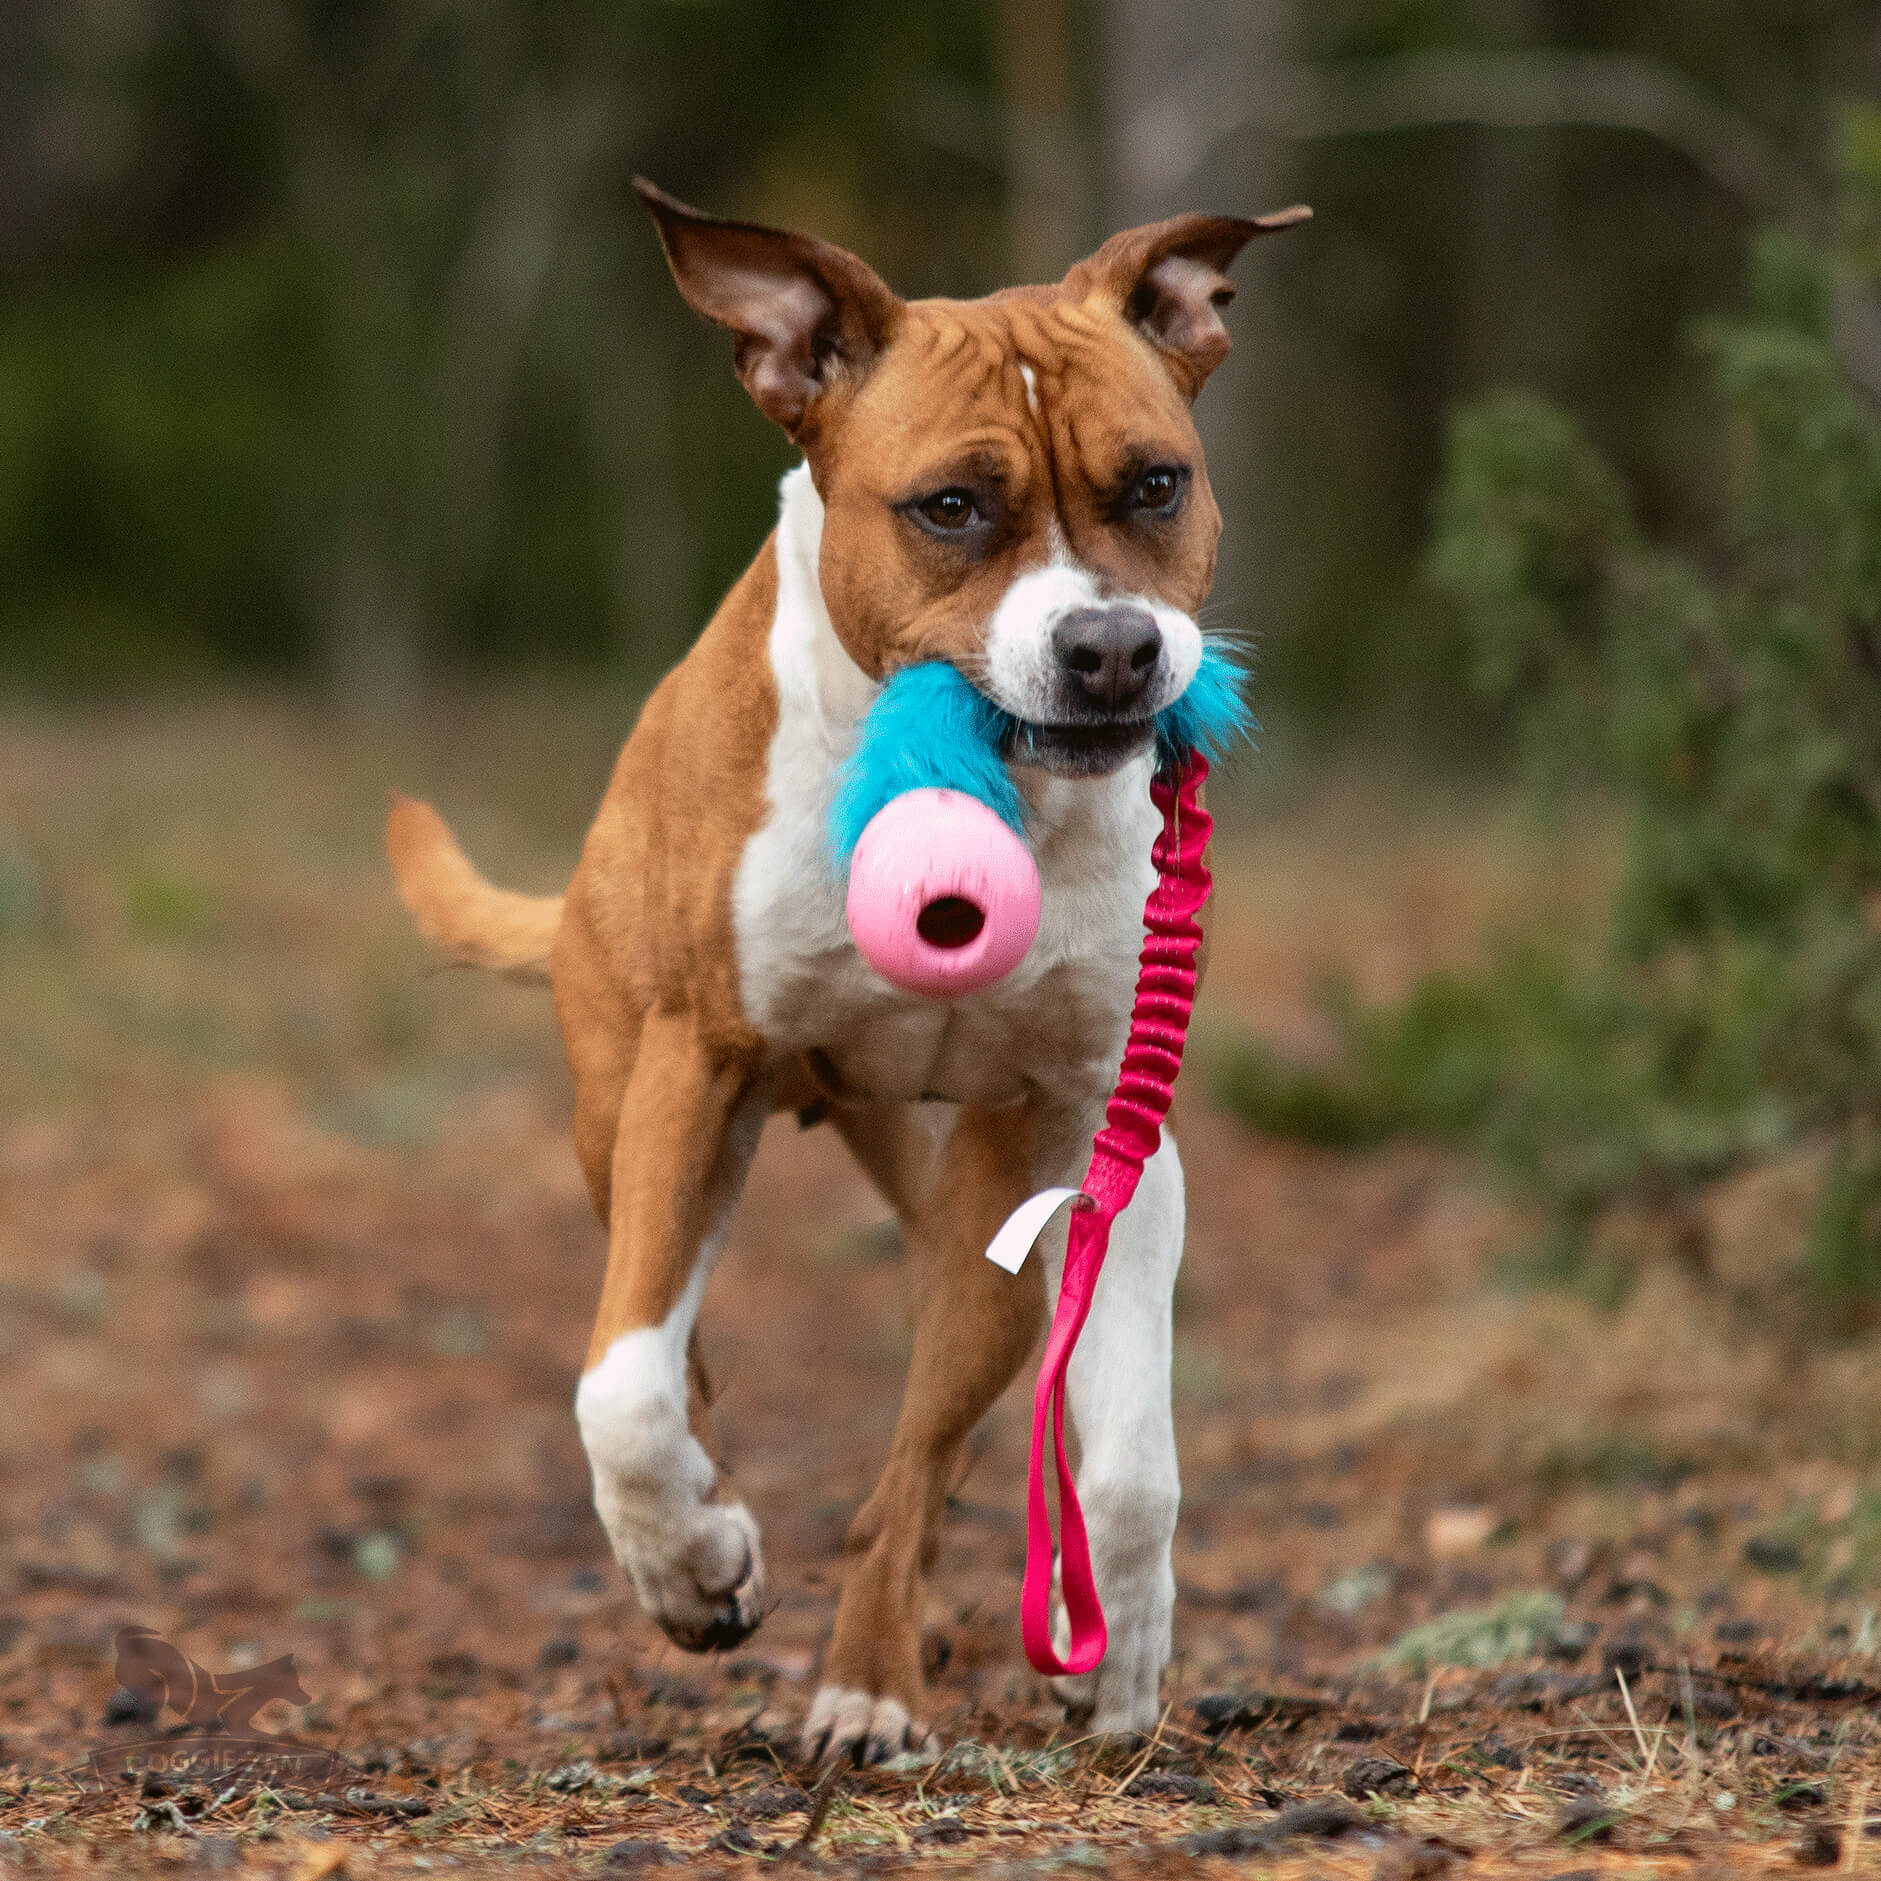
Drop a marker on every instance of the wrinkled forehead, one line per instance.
(1024, 386)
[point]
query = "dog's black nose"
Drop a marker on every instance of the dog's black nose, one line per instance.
(1109, 652)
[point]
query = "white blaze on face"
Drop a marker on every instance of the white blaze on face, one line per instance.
(1022, 672)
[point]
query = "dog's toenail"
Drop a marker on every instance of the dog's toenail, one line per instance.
(727, 1628)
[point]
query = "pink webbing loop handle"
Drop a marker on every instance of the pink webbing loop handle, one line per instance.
(1159, 1021)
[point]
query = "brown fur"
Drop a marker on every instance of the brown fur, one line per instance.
(456, 909)
(948, 404)
(888, 400)
(972, 1329)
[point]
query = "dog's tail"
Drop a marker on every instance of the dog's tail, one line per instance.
(455, 908)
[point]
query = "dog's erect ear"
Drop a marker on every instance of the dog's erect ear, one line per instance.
(1170, 279)
(804, 311)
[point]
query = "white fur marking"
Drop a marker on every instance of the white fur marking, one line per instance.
(1021, 668)
(1128, 1481)
(1031, 387)
(689, 1559)
(1021, 665)
(1054, 1026)
(850, 1720)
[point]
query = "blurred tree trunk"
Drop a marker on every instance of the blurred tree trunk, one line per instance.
(654, 559)
(1048, 212)
(1166, 63)
(20, 196)
(1509, 331)
(372, 641)
(429, 315)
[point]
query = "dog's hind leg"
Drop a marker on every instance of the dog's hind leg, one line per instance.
(1128, 1484)
(973, 1327)
(686, 1130)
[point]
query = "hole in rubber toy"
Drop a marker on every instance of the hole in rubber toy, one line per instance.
(950, 921)
(944, 897)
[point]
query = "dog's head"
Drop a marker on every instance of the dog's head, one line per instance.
(1014, 484)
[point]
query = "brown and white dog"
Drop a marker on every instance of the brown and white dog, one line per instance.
(1013, 485)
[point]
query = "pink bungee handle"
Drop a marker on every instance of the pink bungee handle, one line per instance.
(1159, 1022)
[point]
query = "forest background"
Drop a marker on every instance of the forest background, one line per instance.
(334, 352)
(335, 362)
(352, 435)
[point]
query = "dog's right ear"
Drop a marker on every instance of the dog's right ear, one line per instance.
(805, 312)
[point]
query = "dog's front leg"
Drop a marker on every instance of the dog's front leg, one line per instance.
(973, 1327)
(688, 1127)
(1128, 1485)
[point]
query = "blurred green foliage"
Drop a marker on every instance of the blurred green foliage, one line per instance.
(147, 454)
(1433, 1065)
(331, 343)
(1842, 1257)
(1518, 1626)
(1731, 705)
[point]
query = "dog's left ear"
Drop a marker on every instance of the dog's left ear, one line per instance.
(803, 311)
(1170, 280)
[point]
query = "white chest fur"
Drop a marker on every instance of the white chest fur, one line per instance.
(1055, 1025)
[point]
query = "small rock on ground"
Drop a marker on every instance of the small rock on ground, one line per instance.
(1821, 1847)
(128, 1707)
(1589, 1819)
(638, 1852)
(776, 1799)
(942, 1832)
(1324, 1821)
(1170, 1786)
(1378, 1776)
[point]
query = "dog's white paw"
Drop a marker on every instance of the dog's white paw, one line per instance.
(861, 1727)
(1123, 1697)
(702, 1579)
(694, 1562)
(1112, 1702)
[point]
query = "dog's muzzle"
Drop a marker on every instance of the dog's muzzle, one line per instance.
(1107, 656)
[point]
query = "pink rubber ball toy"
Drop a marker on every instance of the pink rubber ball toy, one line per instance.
(943, 895)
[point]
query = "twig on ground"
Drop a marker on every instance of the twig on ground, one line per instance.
(820, 1799)
(1857, 1821)
(1149, 1750)
(1646, 1763)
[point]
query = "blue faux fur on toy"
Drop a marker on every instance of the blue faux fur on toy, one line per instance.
(930, 728)
(1211, 717)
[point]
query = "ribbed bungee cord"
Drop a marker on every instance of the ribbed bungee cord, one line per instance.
(1159, 1023)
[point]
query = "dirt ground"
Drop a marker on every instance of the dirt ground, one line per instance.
(295, 1277)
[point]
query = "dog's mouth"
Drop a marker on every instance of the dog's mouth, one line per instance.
(1088, 750)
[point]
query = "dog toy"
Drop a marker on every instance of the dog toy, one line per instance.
(944, 895)
(943, 892)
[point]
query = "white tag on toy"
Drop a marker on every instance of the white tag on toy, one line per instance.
(1009, 1247)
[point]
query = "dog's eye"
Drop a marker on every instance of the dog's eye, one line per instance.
(1158, 489)
(949, 509)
